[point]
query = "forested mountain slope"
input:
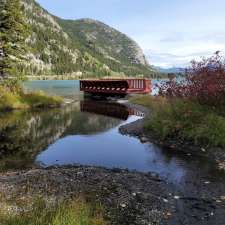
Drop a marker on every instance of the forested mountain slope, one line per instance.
(83, 47)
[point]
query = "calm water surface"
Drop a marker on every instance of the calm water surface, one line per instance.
(65, 88)
(86, 133)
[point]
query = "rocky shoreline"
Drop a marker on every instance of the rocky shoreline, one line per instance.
(136, 128)
(129, 197)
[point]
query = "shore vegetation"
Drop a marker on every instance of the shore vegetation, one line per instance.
(20, 100)
(191, 110)
(13, 34)
(74, 212)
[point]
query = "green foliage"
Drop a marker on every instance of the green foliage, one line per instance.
(13, 32)
(77, 212)
(18, 100)
(8, 100)
(41, 100)
(184, 120)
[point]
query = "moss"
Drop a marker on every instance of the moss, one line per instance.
(184, 120)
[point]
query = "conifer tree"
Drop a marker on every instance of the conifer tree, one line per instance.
(13, 33)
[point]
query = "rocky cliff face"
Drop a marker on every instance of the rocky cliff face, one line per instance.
(107, 41)
(85, 46)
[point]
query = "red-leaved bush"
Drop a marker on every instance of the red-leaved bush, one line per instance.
(204, 81)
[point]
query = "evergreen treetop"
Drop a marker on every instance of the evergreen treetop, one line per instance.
(13, 33)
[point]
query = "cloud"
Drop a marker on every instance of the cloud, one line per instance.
(167, 60)
(175, 37)
(177, 50)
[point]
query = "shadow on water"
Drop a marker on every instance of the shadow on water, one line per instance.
(110, 109)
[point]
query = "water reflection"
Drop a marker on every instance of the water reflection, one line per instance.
(111, 109)
(105, 108)
(87, 133)
(24, 134)
(65, 88)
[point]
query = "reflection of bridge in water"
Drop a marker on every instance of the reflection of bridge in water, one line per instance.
(115, 110)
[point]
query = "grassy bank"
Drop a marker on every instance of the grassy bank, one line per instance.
(183, 120)
(76, 212)
(20, 100)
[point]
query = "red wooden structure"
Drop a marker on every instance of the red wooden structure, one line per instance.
(116, 86)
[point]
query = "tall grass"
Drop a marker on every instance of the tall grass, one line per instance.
(76, 212)
(9, 100)
(184, 120)
(12, 100)
(40, 99)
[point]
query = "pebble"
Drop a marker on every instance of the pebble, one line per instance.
(207, 182)
(173, 146)
(123, 205)
(143, 139)
(168, 214)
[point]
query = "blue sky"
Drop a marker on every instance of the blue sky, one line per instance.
(171, 32)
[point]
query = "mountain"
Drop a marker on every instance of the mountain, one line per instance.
(171, 70)
(84, 47)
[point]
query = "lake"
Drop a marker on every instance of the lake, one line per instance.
(87, 133)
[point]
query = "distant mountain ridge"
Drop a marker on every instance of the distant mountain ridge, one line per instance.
(171, 70)
(84, 47)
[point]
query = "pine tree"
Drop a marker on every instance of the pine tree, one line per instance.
(13, 33)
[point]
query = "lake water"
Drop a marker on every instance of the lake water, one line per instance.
(65, 88)
(86, 132)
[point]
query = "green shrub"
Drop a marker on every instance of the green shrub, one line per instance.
(184, 120)
(40, 99)
(18, 100)
(9, 100)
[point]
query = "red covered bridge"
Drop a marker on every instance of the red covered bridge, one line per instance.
(116, 86)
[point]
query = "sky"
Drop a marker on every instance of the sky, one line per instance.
(170, 32)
